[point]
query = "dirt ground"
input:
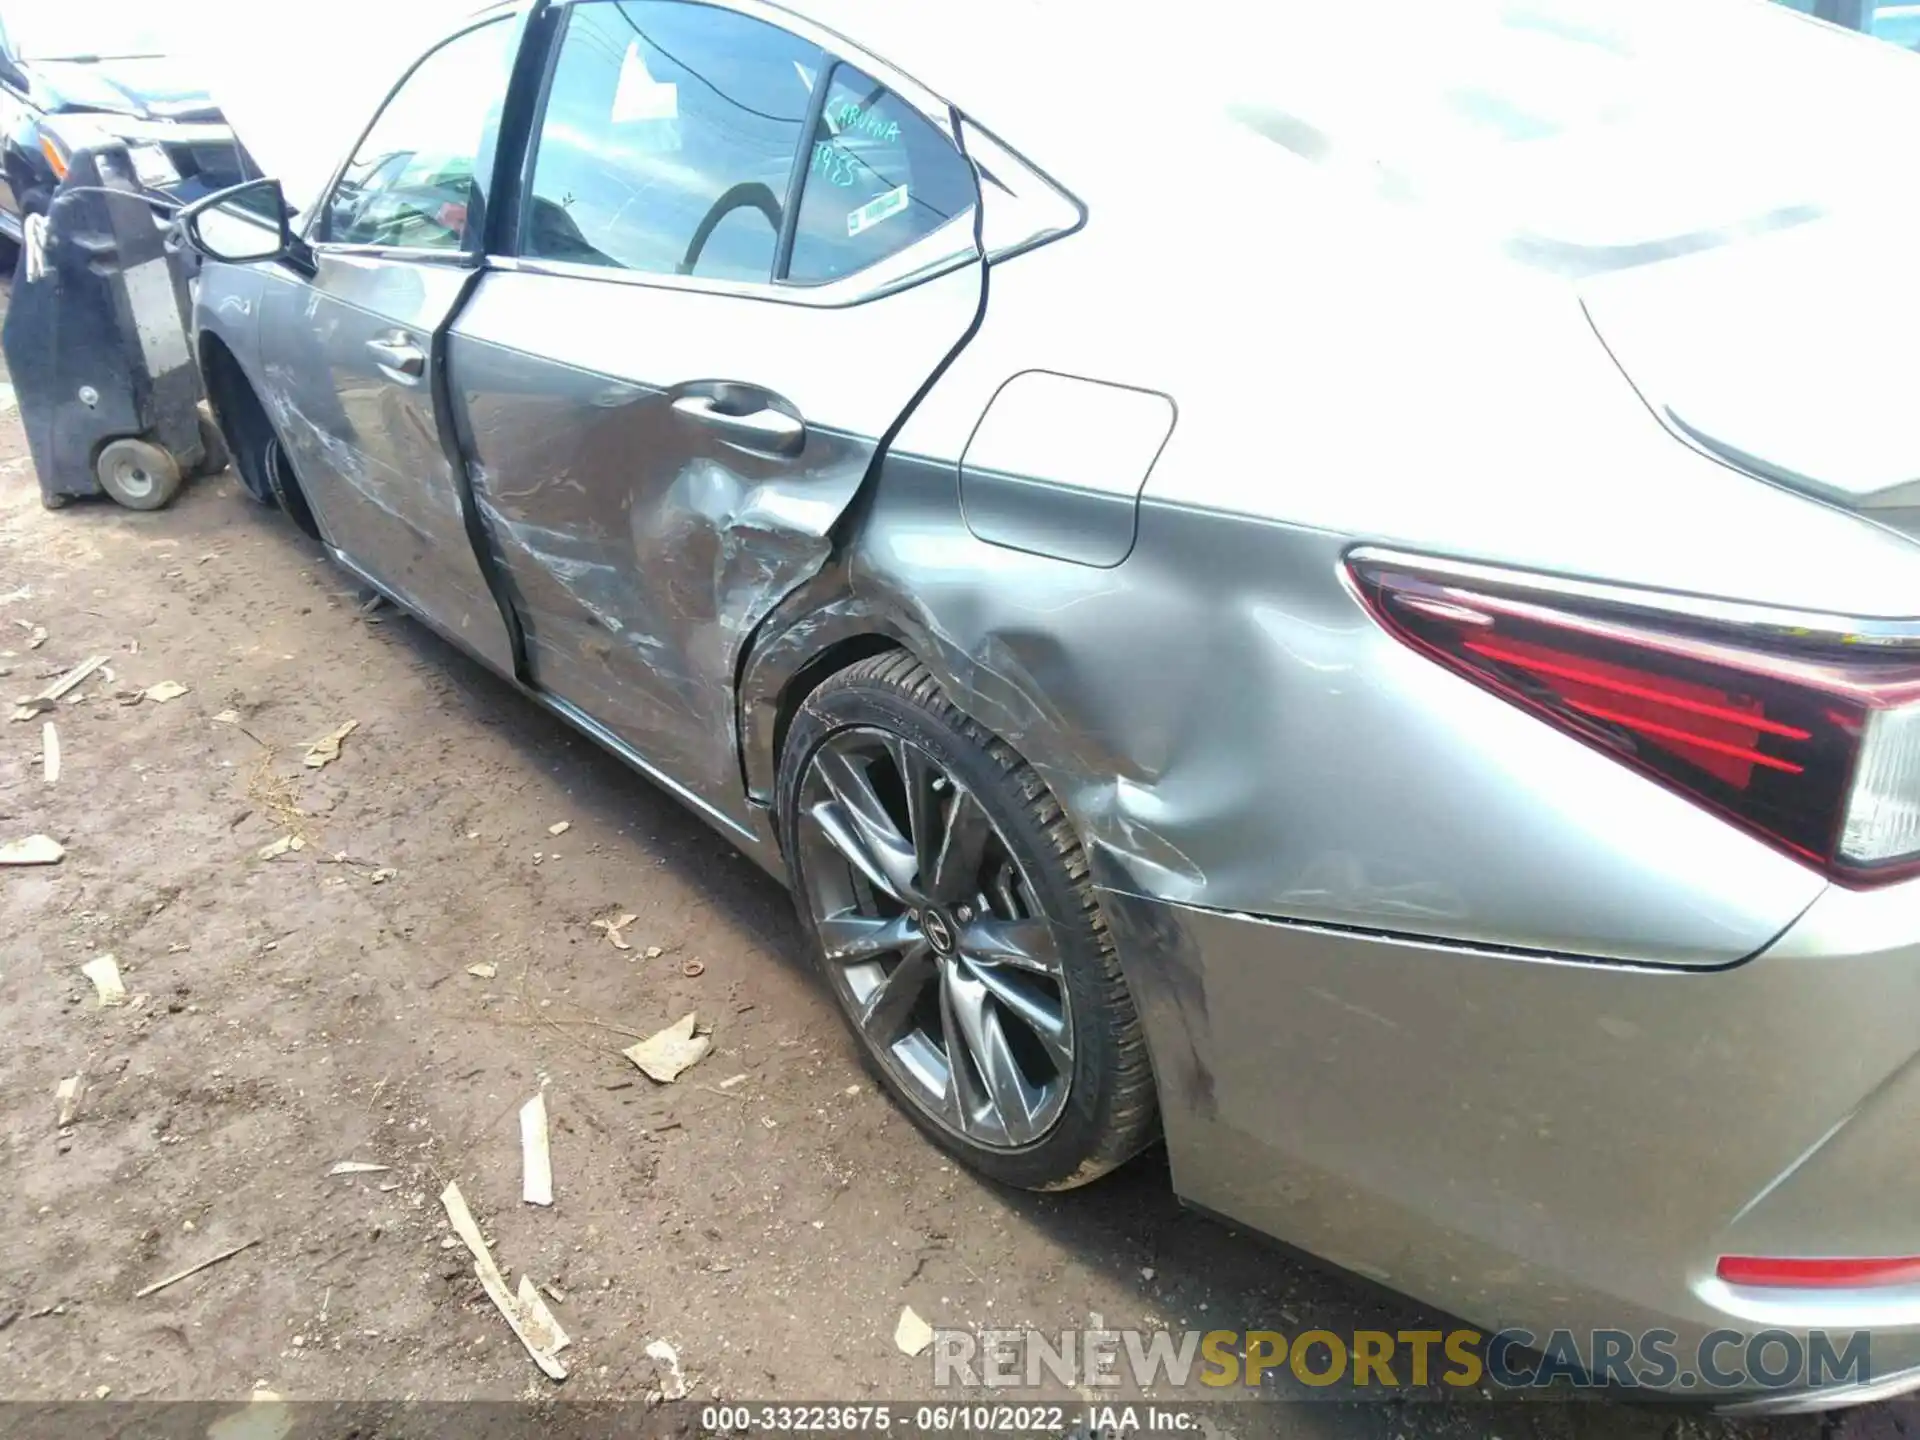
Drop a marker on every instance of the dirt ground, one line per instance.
(768, 1215)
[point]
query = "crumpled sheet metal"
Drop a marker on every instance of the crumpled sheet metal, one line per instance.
(368, 452)
(637, 606)
(419, 523)
(1229, 730)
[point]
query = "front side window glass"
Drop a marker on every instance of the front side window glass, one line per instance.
(411, 182)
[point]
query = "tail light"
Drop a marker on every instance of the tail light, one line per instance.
(1813, 745)
(1818, 1274)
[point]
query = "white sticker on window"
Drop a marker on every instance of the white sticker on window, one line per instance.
(639, 96)
(874, 211)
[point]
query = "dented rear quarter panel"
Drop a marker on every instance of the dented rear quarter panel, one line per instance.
(1220, 717)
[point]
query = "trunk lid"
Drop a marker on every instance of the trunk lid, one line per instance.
(1794, 356)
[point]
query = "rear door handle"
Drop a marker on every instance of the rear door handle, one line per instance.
(399, 357)
(767, 428)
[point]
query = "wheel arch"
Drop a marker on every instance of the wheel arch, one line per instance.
(254, 445)
(827, 625)
(818, 632)
(221, 372)
(237, 409)
(837, 656)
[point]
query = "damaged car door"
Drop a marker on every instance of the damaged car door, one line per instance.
(741, 253)
(350, 350)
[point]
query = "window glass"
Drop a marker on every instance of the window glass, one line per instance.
(411, 181)
(669, 140)
(1898, 23)
(879, 177)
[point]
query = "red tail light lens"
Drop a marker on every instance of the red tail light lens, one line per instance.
(1818, 1274)
(1815, 748)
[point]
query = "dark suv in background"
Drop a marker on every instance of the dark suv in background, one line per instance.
(73, 72)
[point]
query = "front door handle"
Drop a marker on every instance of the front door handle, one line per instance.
(399, 357)
(767, 428)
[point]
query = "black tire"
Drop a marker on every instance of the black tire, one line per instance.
(1110, 1111)
(254, 450)
(243, 423)
(287, 493)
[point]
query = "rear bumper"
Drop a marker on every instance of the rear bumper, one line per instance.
(1548, 1145)
(1807, 1402)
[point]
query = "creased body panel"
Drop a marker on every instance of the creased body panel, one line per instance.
(642, 545)
(1229, 728)
(366, 444)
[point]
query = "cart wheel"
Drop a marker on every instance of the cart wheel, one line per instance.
(138, 474)
(213, 447)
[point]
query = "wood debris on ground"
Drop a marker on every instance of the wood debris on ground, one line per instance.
(666, 1368)
(33, 850)
(358, 1167)
(540, 1321)
(49, 752)
(911, 1335)
(104, 972)
(533, 1323)
(180, 1275)
(664, 1055)
(281, 846)
(613, 925)
(68, 1096)
(166, 690)
(326, 749)
(536, 1156)
(483, 971)
(58, 689)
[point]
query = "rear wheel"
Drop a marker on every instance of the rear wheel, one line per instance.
(949, 905)
(138, 474)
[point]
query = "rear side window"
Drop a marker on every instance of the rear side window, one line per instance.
(411, 181)
(879, 177)
(669, 140)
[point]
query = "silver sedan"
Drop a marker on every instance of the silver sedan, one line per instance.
(1328, 583)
